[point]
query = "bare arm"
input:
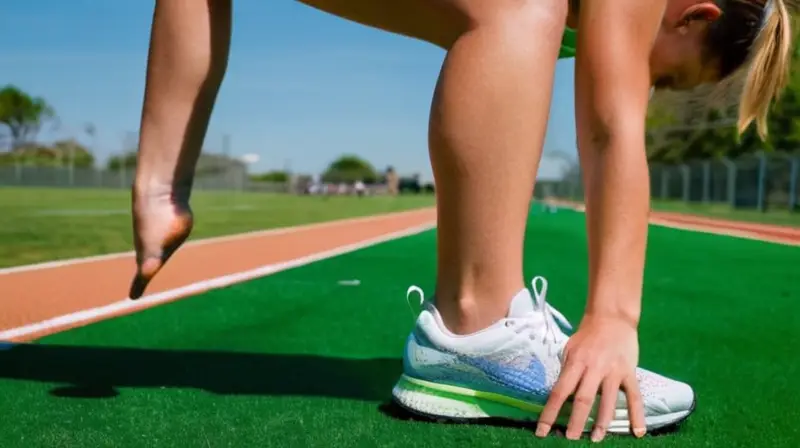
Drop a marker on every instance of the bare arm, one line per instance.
(612, 90)
(187, 61)
(188, 56)
(615, 38)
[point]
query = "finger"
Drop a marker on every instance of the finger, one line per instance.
(563, 388)
(583, 402)
(138, 285)
(152, 264)
(635, 405)
(606, 409)
(146, 271)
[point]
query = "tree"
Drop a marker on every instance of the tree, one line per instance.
(122, 162)
(350, 168)
(271, 176)
(79, 155)
(56, 155)
(22, 115)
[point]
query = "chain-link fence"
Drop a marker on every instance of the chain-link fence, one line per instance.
(65, 177)
(229, 179)
(762, 181)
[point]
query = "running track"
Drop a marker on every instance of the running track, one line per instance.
(50, 297)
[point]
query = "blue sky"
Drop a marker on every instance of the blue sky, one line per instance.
(302, 87)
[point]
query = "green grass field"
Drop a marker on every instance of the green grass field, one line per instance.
(297, 360)
(42, 224)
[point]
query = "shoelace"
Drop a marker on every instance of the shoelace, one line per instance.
(554, 321)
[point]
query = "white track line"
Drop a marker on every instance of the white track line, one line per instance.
(733, 233)
(701, 228)
(127, 306)
(204, 241)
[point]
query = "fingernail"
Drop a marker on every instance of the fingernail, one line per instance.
(639, 432)
(598, 434)
(573, 435)
(542, 429)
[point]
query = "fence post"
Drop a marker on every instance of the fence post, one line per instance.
(18, 172)
(664, 182)
(762, 180)
(795, 171)
(706, 181)
(686, 172)
(731, 180)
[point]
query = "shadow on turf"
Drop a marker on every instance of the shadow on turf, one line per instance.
(99, 373)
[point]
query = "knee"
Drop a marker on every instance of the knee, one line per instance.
(524, 16)
(518, 20)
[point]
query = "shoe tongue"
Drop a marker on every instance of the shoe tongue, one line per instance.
(521, 304)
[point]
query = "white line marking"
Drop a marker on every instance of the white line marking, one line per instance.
(705, 228)
(733, 233)
(204, 241)
(126, 305)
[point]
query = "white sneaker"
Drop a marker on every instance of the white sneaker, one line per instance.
(507, 371)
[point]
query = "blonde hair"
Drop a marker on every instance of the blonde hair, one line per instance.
(768, 67)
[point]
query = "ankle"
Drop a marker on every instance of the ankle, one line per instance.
(466, 315)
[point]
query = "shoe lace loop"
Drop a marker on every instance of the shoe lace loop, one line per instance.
(416, 308)
(545, 320)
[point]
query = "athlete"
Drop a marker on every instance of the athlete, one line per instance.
(484, 346)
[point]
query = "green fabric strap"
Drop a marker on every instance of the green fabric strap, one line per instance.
(569, 44)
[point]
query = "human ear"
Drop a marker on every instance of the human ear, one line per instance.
(705, 12)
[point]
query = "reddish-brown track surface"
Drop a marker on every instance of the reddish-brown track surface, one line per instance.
(34, 295)
(788, 235)
(765, 232)
(31, 296)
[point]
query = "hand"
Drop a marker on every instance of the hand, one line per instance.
(600, 357)
(162, 221)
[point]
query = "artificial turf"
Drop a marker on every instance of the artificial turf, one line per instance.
(297, 359)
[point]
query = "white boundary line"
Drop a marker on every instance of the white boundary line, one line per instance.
(733, 233)
(126, 306)
(702, 228)
(204, 241)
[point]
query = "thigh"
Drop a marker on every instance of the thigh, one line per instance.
(439, 22)
(434, 21)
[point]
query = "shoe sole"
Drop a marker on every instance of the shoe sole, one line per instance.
(453, 404)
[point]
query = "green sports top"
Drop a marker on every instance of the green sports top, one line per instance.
(568, 44)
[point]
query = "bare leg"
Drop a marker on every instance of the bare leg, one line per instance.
(487, 129)
(486, 134)
(488, 121)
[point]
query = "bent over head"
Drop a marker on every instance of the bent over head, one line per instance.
(759, 33)
(707, 41)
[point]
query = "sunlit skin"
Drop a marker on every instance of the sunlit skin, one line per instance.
(488, 120)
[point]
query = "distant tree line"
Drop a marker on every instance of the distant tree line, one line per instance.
(23, 116)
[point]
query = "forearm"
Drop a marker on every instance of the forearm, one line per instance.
(617, 196)
(187, 60)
